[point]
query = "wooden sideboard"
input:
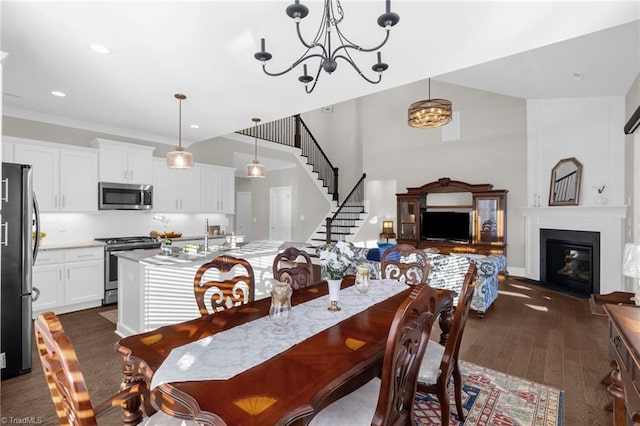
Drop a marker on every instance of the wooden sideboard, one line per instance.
(624, 357)
(488, 208)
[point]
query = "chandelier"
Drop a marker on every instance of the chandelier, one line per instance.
(255, 169)
(430, 113)
(180, 159)
(328, 51)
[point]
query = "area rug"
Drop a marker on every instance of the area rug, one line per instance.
(111, 315)
(493, 398)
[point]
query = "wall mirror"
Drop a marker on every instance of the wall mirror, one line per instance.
(565, 183)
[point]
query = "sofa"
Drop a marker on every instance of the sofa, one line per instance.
(445, 271)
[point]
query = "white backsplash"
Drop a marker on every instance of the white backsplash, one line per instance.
(81, 227)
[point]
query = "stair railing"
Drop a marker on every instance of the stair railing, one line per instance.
(293, 131)
(354, 199)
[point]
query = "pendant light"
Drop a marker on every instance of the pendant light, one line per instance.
(255, 169)
(180, 159)
(430, 113)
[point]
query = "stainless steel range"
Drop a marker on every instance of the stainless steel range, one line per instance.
(113, 245)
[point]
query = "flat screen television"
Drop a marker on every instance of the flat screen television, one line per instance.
(448, 226)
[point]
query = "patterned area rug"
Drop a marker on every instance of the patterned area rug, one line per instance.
(111, 315)
(492, 398)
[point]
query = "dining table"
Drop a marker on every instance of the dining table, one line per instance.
(288, 385)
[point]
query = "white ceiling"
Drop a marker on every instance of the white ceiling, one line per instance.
(204, 49)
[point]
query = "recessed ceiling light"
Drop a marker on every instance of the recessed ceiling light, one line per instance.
(578, 76)
(58, 93)
(194, 126)
(100, 48)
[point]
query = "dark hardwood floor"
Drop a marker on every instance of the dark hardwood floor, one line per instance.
(530, 332)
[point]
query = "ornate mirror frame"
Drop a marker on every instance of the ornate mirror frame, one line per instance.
(565, 182)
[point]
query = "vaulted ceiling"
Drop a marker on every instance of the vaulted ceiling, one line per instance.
(205, 49)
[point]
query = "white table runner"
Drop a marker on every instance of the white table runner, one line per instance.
(233, 351)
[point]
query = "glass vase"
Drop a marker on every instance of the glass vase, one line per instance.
(280, 305)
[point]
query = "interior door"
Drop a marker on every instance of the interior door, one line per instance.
(244, 225)
(280, 213)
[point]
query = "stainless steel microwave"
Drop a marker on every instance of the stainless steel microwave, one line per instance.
(124, 196)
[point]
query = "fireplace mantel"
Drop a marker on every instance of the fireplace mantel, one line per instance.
(607, 220)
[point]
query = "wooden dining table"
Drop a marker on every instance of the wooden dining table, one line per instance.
(287, 389)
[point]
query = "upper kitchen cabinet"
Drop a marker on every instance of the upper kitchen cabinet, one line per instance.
(124, 162)
(56, 172)
(176, 190)
(218, 189)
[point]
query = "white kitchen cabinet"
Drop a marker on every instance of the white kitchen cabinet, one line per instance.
(69, 280)
(176, 190)
(218, 189)
(7, 150)
(48, 280)
(56, 168)
(122, 162)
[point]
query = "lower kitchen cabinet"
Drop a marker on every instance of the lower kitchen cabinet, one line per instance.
(68, 280)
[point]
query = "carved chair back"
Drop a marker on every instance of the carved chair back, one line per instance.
(65, 379)
(448, 365)
(405, 263)
(287, 268)
(223, 292)
(405, 348)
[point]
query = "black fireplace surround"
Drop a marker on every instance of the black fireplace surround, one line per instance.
(570, 261)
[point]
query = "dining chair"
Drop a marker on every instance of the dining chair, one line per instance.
(441, 362)
(67, 385)
(287, 268)
(388, 400)
(224, 292)
(405, 263)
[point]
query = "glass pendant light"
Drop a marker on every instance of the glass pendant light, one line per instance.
(255, 169)
(180, 159)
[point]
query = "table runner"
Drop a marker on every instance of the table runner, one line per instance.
(228, 353)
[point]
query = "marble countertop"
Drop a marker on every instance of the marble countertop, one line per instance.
(44, 246)
(155, 256)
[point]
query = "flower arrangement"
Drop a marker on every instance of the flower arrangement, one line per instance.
(600, 189)
(336, 259)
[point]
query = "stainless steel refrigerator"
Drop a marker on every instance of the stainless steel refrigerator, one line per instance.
(19, 219)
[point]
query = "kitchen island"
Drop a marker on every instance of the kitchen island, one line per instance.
(156, 290)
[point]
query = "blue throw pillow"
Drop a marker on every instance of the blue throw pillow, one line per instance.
(373, 254)
(384, 246)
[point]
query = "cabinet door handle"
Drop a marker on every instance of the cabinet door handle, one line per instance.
(176, 204)
(125, 174)
(64, 201)
(55, 201)
(5, 234)
(85, 255)
(60, 274)
(5, 190)
(180, 204)
(68, 273)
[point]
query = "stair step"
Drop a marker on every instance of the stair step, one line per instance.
(334, 233)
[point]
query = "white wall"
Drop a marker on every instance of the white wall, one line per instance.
(491, 149)
(589, 129)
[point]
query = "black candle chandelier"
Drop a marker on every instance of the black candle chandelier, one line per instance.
(322, 45)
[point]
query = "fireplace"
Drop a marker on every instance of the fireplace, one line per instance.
(570, 261)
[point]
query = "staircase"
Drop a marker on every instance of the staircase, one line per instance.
(346, 218)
